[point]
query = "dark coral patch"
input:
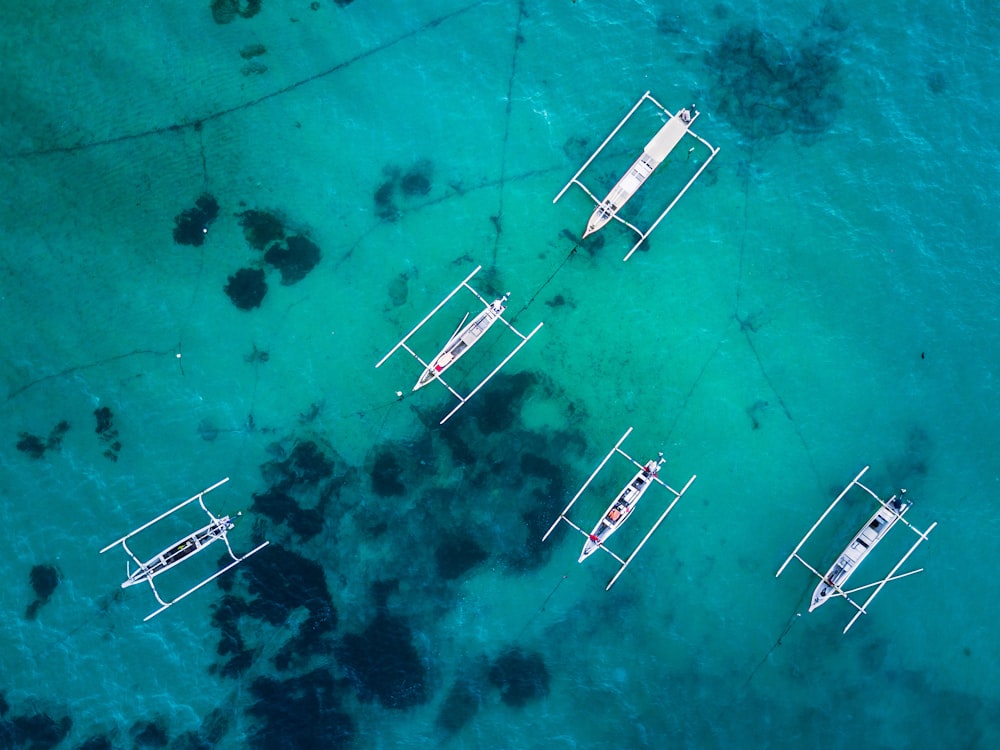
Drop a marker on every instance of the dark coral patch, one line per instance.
(225, 11)
(253, 50)
(295, 259)
(246, 288)
(385, 205)
(148, 734)
(765, 87)
(97, 742)
(34, 731)
(398, 290)
(226, 615)
(281, 507)
(191, 225)
(521, 677)
(383, 663)
(385, 474)
(33, 445)
(414, 183)
(288, 581)
(300, 712)
(104, 417)
(307, 464)
(301, 486)
(417, 181)
(459, 706)
(936, 82)
(261, 228)
(457, 554)
(501, 406)
(44, 580)
(107, 432)
(56, 436)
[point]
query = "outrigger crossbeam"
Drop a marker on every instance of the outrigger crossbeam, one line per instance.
(891, 505)
(662, 144)
(623, 563)
(429, 368)
(216, 530)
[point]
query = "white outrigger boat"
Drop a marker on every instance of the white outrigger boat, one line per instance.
(460, 342)
(621, 507)
(864, 542)
(656, 151)
(216, 530)
(832, 584)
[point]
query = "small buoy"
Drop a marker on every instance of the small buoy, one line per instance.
(178, 355)
(399, 394)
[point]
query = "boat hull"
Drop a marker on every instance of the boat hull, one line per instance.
(462, 341)
(857, 550)
(652, 155)
(180, 551)
(620, 508)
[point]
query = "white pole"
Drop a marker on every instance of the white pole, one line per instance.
(650, 532)
(601, 147)
(892, 572)
(211, 578)
(887, 580)
(620, 561)
(164, 515)
(670, 207)
(428, 317)
(495, 371)
(585, 485)
(825, 514)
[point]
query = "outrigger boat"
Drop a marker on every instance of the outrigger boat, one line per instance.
(652, 155)
(656, 151)
(863, 543)
(831, 584)
(460, 342)
(621, 507)
(216, 530)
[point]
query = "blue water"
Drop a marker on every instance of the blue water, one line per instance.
(823, 298)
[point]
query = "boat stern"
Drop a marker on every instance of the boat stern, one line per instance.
(589, 547)
(601, 216)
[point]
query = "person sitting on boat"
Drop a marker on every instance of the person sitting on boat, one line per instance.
(614, 514)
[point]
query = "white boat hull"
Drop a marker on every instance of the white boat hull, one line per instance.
(860, 546)
(621, 508)
(180, 551)
(462, 341)
(652, 155)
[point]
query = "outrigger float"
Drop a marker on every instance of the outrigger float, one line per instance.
(620, 509)
(460, 342)
(216, 530)
(877, 527)
(659, 147)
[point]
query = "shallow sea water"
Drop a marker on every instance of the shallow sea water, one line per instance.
(822, 299)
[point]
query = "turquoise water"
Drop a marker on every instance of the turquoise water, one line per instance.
(824, 298)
